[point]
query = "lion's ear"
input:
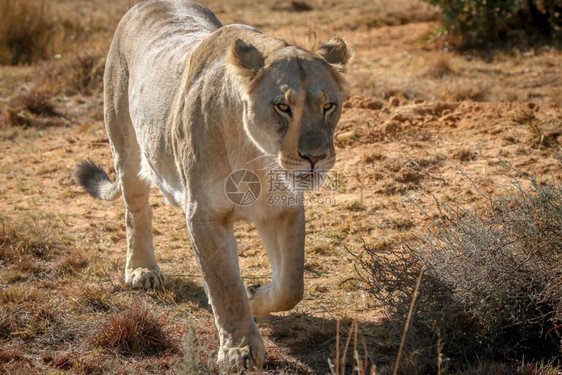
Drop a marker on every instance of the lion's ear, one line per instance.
(336, 52)
(246, 57)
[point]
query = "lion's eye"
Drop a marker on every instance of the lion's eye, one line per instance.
(283, 107)
(329, 107)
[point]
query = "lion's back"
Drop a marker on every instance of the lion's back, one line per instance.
(156, 36)
(156, 20)
(153, 42)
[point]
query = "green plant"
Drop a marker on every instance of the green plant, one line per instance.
(479, 21)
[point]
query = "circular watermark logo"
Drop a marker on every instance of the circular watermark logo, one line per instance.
(242, 187)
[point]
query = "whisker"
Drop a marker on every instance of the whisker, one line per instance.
(260, 157)
(271, 167)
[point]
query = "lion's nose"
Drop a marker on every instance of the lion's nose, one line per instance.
(313, 159)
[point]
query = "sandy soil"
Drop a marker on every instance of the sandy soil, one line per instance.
(398, 135)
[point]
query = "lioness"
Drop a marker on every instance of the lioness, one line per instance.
(187, 102)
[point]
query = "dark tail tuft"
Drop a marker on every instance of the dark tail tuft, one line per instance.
(91, 177)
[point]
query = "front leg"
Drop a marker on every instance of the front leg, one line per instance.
(283, 238)
(215, 247)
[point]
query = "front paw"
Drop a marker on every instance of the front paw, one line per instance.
(145, 278)
(243, 357)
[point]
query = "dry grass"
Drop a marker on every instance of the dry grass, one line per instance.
(26, 32)
(440, 67)
(135, 331)
(359, 363)
(33, 109)
(27, 237)
(97, 298)
(78, 72)
(196, 358)
(458, 90)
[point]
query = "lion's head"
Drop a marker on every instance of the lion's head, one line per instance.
(292, 102)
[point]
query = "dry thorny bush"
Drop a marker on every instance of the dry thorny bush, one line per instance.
(492, 282)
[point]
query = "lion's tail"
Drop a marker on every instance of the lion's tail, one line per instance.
(93, 178)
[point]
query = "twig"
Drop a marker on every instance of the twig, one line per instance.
(408, 320)
(486, 196)
(344, 354)
(337, 364)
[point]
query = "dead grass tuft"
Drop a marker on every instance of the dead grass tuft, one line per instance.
(465, 154)
(196, 357)
(464, 89)
(33, 109)
(10, 356)
(25, 237)
(291, 6)
(135, 331)
(79, 72)
(24, 268)
(179, 290)
(373, 156)
(27, 321)
(355, 355)
(72, 262)
(440, 67)
(97, 298)
(26, 31)
(68, 361)
(16, 295)
(500, 368)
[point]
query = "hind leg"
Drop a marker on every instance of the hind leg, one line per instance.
(141, 270)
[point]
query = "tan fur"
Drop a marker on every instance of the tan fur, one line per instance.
(189, 101)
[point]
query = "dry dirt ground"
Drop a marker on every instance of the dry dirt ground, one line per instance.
(419, 117)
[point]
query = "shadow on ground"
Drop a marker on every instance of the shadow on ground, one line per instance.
(312, 342)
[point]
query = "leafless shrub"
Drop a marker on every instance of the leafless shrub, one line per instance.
(492, 282)
(502, 264)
